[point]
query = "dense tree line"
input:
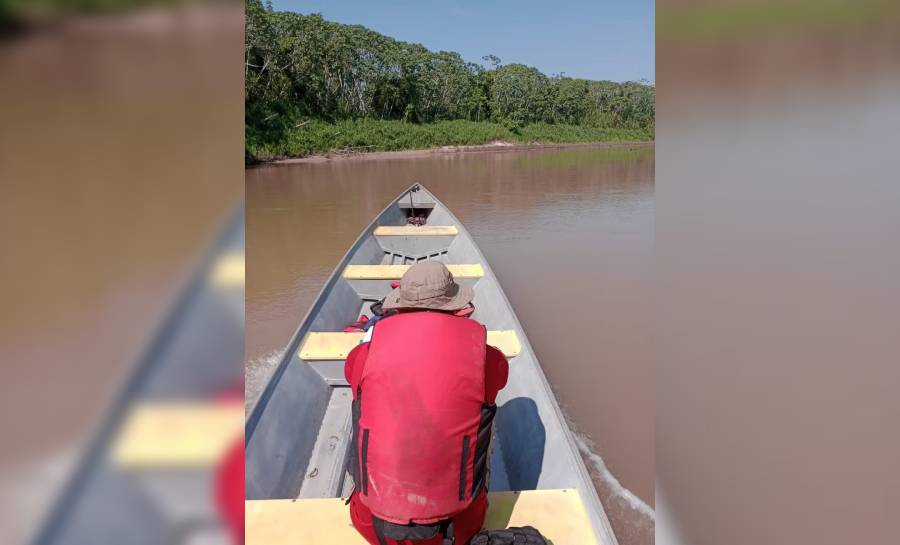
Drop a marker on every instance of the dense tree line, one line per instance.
(302, 66)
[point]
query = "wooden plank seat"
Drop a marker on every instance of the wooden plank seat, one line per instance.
(182, 435)
(558, 514)
(413, 230)
(394, 272)
(329, 345)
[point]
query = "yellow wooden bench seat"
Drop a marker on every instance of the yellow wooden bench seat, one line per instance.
(177, 435)
(393, 272)
(413, 230)
(336, 345)
(558, 514)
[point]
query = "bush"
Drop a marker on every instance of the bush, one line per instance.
(360, 135)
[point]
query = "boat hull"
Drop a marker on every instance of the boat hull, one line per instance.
(299, 425)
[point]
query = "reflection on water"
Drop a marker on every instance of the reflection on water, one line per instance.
(570, 236)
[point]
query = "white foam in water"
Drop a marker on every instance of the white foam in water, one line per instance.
(257, 373)
(269, 359)
(586, 446)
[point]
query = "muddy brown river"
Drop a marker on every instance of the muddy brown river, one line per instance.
(569, 234)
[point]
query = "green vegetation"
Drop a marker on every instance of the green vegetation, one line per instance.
(313, 85)
(358, 135)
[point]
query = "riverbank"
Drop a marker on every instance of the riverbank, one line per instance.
(499, 146)
(320, 139)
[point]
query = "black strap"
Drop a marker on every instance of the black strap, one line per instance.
(482, 443)
(350, 495)
(462, 468)
(525, 535)
(447, 532)
(378, 526)
(365, 462)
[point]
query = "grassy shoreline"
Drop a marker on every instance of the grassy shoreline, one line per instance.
(493, 147)
(316, 137)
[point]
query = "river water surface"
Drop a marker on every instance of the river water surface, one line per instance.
(569, 234)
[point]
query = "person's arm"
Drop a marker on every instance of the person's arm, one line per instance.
(495, 374)
(354, 364)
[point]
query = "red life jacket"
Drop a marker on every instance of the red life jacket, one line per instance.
(420, 421)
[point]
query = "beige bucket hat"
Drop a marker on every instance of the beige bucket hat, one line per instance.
(429, 285)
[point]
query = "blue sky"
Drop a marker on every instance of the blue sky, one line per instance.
(599, 39)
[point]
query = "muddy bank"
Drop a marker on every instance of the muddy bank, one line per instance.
(449, 150)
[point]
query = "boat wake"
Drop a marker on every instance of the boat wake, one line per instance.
(633, 520)
(586, 446)
(256, 374)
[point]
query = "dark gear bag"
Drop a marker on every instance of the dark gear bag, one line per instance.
(525, 535)
(413, 532)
